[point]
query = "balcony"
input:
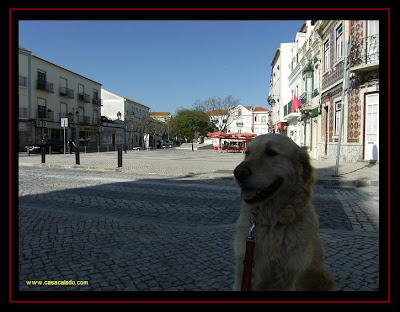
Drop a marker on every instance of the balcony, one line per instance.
(287, 112)
(97, 101)
(67, 92)
(364, 53)
(84, 97)
(306, 102)
(45, 86)
(45, 114)
(83, 120)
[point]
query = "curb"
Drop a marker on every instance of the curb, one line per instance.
(357, 183)
(84, 167)
(319, 181)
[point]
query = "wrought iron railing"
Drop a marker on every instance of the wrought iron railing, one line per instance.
(45, 114)
(84, 97)
(364, 50)
(96, 101)
(67, 92)
(44, 85)
(305, 99)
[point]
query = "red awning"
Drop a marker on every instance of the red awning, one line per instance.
(219, 134)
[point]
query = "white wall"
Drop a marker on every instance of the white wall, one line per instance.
(23, 92)
(112, 104)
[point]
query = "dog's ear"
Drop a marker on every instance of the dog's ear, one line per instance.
(308, 170)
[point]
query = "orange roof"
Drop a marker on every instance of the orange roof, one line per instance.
(260, 109)
(160, 113)
(218, 112)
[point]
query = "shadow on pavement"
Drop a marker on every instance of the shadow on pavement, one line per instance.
(158, 234)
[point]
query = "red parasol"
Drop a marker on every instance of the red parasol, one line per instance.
(247, 135)
(218, 135)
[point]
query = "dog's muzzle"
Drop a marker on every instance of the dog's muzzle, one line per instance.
(250, 194)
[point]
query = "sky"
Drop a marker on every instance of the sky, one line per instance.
(165, 65)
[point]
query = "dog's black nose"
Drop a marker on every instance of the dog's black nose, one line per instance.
(241, 172)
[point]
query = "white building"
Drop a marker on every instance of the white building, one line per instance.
(25, 126)
(122, 110)
(244, 119)
(304, 82)
(279, 93)
(49, 92)
(296, 88)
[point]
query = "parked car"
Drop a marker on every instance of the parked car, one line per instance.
(57, 146)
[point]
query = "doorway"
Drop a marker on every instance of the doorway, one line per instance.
(371, 140)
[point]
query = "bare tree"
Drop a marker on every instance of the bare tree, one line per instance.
(152, 127)
(221, 110)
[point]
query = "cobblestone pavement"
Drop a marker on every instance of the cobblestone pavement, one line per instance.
(123, 231)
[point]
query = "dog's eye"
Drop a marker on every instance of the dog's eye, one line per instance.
(271, 153)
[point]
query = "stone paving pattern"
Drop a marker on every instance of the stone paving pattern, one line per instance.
(165, 221)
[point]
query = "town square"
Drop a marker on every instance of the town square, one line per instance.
(165, 221)
(125, 155)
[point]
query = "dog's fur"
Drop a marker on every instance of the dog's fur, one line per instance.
(276, 180)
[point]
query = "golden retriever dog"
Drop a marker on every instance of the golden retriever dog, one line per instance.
(276, 180)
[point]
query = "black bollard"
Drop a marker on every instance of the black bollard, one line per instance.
(120, 156)
(77, 157)
(43, 150)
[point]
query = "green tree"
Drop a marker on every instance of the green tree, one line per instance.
(190, 123)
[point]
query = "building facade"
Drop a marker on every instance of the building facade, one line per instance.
(243, 119)
(279, 92)
(122, 110)
(316, 79)
(304, 82)
(360, 136)
(49, 92)
(163, 117)
(25, 116)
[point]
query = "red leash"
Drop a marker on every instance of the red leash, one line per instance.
(248, 258)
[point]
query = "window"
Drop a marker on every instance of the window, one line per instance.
(119, 138)
(63, 84)
(41, 80)
(263, 120)
(338, 108)
(41, 75)
(81, 88)
(326, 56)
(339, 42)
(63, 110)
(41, 110)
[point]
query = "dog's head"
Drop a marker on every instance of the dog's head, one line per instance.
(273, 164)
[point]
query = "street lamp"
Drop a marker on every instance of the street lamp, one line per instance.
(308, 71)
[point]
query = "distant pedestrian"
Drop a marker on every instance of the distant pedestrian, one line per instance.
(71, 144)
